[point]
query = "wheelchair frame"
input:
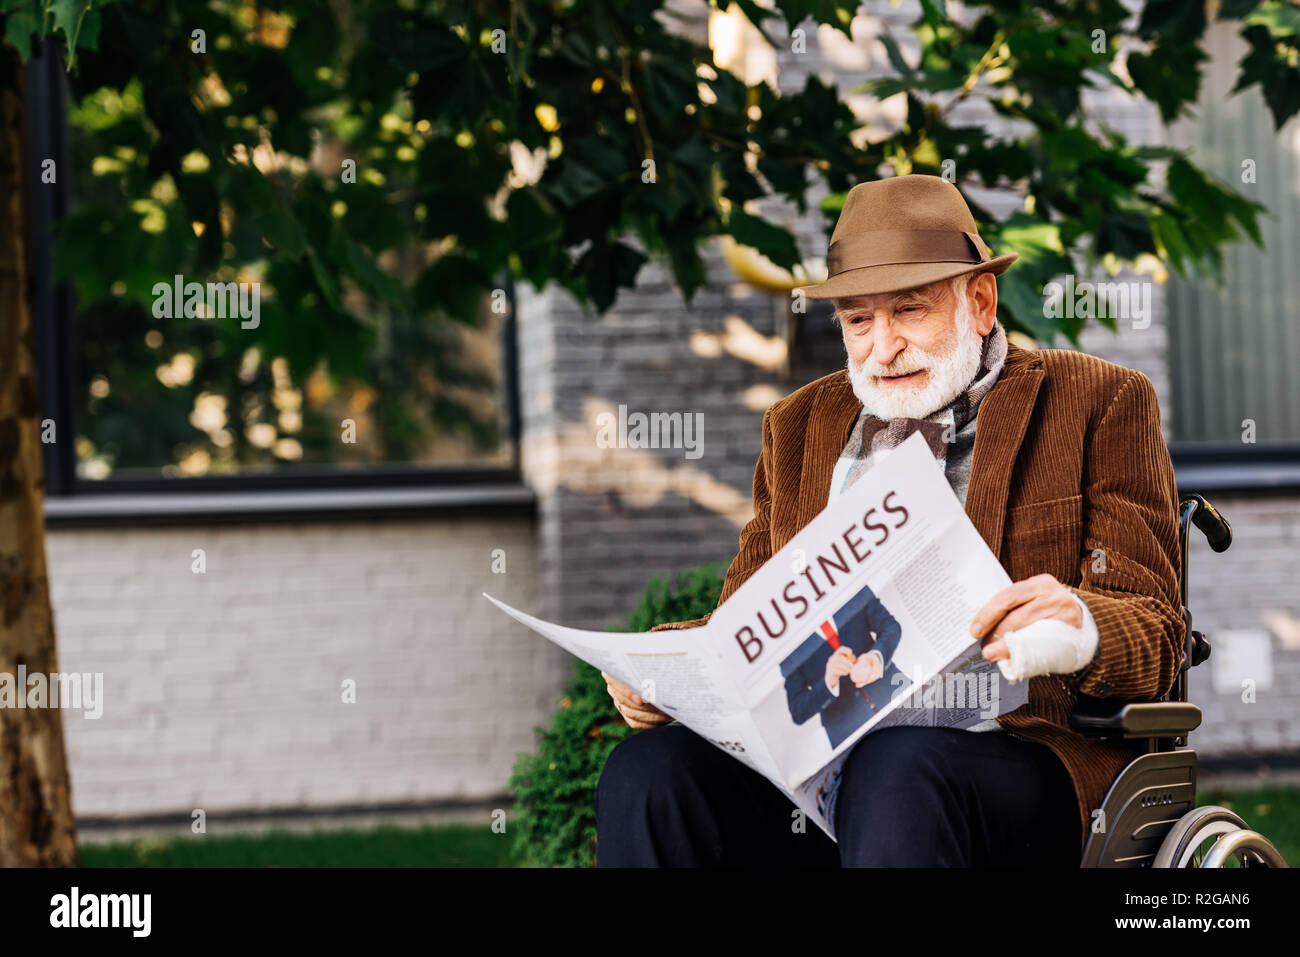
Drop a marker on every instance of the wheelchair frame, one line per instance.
(1149, 817)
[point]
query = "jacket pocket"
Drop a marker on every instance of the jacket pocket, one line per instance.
(1045, 537)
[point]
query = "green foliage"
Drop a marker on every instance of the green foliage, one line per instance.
(563, 142)
(1092, 197)
(555, 788)
(76, 20)
(213, 141)
(1273, 34)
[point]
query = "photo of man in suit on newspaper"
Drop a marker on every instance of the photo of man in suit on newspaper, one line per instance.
(844, 670)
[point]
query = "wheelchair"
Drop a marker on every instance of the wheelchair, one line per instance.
(1149, 817)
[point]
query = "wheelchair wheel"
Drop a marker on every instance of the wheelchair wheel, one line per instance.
(1213, 837)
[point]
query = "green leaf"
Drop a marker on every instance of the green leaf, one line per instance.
(753, 12)
(888, 86)
(363, 268)
(283, 231)
(1022, 301)
(895, 54)
(1280, 19)
(772, 241)
(325, 280)
(837, 13)
(688, 267)
(68, 16)
(1170, 79)
(1268, 66)
(1173, 20)
(88, 38)
(935, 12)
(608, 267)
(1213, 206)
(19, 27)
(1125, 234)
(1042, 257)
(454, 285)
(1235, 9)
(1172, 244)
(669, 86)
(531, 220)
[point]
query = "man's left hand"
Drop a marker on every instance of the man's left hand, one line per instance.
(867, 669)
(1019, 605)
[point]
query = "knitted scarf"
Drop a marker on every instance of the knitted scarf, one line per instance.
(872, 439)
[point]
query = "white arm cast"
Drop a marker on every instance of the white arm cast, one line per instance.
(1049, 647)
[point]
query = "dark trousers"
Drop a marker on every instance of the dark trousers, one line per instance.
(909, 797)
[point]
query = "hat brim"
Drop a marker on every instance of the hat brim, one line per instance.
(896, 277)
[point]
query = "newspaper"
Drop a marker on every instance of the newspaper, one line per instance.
(887, 577)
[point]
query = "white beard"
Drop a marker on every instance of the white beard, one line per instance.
(948, 374)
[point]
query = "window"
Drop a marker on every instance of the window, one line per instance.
(249, 383)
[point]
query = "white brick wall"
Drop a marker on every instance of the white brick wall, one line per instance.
(223, 690)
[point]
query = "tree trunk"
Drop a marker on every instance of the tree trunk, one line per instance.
(36, 823)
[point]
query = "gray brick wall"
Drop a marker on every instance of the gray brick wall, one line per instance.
(223, 690)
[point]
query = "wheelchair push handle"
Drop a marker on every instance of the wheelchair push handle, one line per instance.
(1214, 526)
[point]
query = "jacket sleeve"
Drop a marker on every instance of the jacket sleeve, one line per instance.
(888, 630)
(805, 693)
(1130, 567)
(755, 537)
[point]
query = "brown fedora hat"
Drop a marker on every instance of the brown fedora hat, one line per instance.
(900, 233)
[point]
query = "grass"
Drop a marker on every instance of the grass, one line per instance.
(447, 846)
(1273, 812)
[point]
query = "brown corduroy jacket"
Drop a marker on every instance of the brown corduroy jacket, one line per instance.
(1070, 476)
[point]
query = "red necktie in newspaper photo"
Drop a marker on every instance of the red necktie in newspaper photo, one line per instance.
(832, 636)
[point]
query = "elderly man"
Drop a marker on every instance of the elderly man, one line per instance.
(1059, 461)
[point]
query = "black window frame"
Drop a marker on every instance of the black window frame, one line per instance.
(1230, 468)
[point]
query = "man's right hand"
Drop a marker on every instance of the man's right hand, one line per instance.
(637, 713)
(838, 665)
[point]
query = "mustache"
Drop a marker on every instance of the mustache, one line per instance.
(911, 360)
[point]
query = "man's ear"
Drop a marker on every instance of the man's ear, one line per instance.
(983, 295)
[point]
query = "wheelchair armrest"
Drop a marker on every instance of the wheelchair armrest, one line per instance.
(1135, 719)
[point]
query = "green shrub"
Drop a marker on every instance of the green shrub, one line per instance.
(555, 789)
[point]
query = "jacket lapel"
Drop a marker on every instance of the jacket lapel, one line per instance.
(999, 431)
(835, 408)
(1003, 418)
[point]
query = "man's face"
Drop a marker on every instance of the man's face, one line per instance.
(912, 352)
